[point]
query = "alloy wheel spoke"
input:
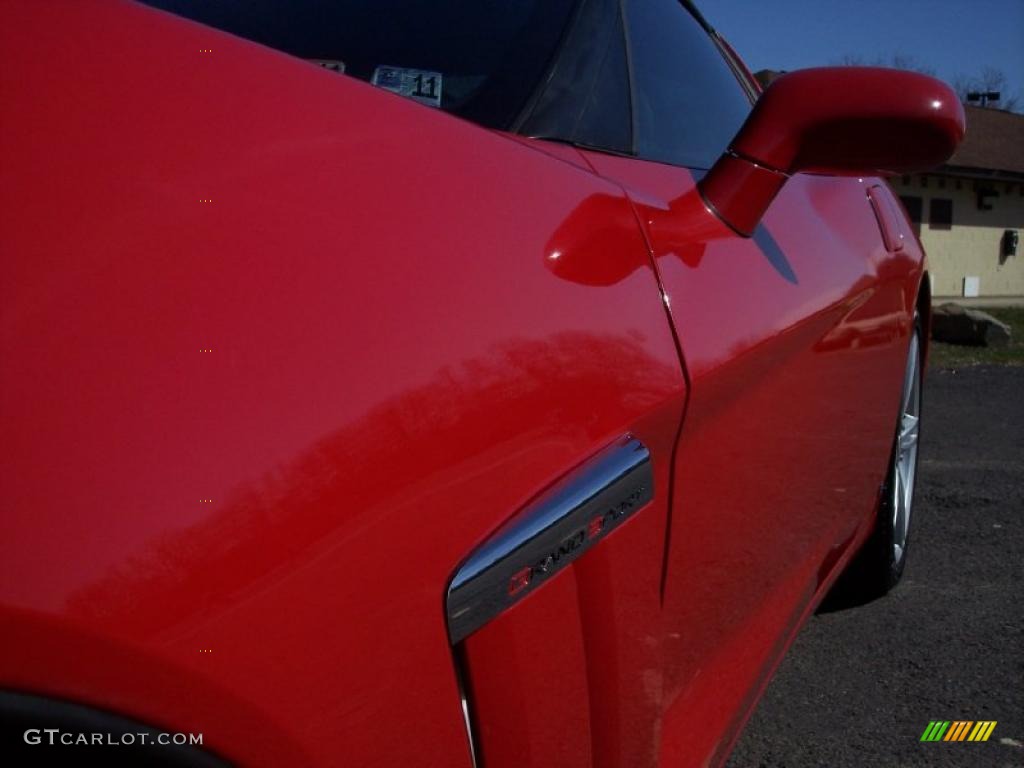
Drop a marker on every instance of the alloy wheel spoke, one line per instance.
(900, 526)
(906, 451)
(909, 429)
(911, 379)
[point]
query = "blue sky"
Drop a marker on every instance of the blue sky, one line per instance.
(951, 36)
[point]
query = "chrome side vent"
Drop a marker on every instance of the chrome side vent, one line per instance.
(549, 534)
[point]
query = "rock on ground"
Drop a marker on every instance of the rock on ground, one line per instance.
(954, 324)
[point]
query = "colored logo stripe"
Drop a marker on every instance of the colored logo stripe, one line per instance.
(958, 730)
(935, 730)
(982, 730)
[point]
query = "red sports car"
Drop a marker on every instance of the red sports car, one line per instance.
(438, 384)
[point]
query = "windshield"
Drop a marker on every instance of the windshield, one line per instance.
(480, 59)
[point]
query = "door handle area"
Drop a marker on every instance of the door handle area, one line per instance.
(889, 220)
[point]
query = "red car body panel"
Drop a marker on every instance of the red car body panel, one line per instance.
(281, 349)
(776, 481)
(296, 498)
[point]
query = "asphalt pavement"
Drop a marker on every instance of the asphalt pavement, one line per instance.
(860, 685)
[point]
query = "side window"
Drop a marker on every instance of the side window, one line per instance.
(688, 102)
(586, 97)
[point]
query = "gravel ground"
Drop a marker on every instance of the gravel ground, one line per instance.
(859, 685)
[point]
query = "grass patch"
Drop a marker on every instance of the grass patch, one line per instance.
(957, 356)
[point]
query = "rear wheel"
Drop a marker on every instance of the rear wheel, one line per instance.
(903, 471)
(880, 563)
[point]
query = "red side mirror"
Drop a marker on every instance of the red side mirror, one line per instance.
(854, 121)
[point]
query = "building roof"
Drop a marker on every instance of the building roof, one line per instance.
(994, 142)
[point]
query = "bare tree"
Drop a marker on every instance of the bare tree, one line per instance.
(988, 80)
(894, 61)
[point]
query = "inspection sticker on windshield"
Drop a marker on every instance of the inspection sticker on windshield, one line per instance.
(418, 84)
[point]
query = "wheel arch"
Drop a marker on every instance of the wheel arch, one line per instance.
(924, 310)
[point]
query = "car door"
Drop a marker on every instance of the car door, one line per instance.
(289, 351)
(792, 342)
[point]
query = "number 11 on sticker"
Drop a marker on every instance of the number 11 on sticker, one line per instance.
(426, 87)
(418, 84)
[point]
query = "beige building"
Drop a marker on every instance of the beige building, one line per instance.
(969, 213)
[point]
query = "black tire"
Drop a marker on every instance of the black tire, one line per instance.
(877, 568)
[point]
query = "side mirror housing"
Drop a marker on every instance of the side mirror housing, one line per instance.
(851, 121)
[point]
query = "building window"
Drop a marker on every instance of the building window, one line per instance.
(914, 208)
(940, 214)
